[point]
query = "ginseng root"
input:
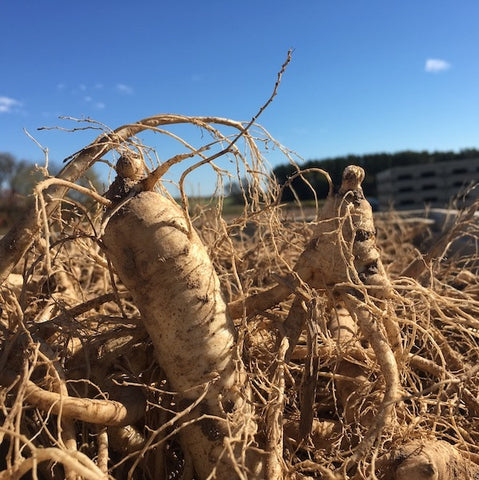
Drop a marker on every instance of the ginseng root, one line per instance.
(166, 268)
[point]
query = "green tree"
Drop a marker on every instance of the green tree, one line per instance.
(7, 165)
(17, 176)
(24, 178)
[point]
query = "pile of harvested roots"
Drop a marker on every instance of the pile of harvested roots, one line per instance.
(144, 339)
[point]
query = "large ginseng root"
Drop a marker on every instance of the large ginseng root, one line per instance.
(343, 249)
(342, 255)
(343, 258)
(166, 268)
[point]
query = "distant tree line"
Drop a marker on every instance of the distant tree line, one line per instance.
(17, 177)
(17, 181)
(372, 163)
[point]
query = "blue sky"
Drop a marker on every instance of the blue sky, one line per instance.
(366, 76)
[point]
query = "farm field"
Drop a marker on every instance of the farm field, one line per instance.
(145, 338)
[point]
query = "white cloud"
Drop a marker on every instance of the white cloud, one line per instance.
(61, 86)
(436, 65)
(125, 89)
(100, 105)
(87, 98)
(7, 104)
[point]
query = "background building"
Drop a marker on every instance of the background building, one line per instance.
(432, 184)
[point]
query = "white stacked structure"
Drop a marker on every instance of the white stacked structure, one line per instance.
(429, 184)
